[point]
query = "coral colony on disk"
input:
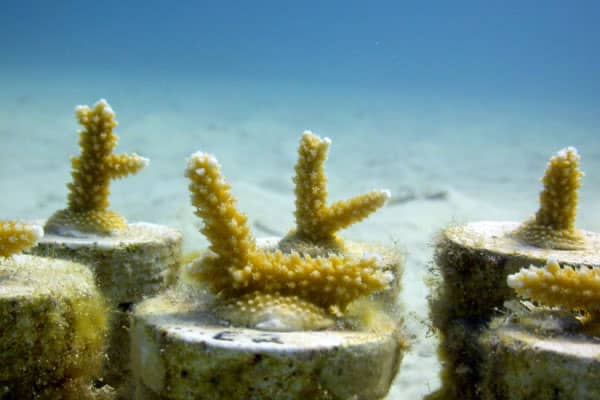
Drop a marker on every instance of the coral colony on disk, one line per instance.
(312, 270)
(553, 226)
(305, 308)
(92, 172)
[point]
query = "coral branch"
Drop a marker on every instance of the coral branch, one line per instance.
(16, 237)
(121, 165)
(570, 288)
(224, 227)
(316, 222)
(332, 281)
(553, 226)
(344, 213)
(92, 171)
(311, 184)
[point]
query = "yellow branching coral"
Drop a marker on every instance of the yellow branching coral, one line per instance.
(316, 222)
(92, 172)
(568, 287)
(18, 236)
(553, 226)
(236, 266)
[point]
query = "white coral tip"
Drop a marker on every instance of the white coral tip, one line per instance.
(38, 232)
(144, 161)
(212, 160)
(103, 103)
(552, 261)
(108, 111)
(563, 153)
(201, 157)
(386, 194)
(513, 281)
(388, 277)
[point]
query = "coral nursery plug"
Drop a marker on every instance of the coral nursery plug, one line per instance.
(92, 171)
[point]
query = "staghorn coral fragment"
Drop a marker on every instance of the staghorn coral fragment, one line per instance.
(332, 281)
(225, 228)
(92, 172)
(18, 236)
(235, 266)
(553, 225)
(316, 222)
(567, 287)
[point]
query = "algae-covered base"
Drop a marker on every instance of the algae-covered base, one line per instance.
(53, 323)
(181, 351)
(473, 262)
(128, 264)
(524, 362)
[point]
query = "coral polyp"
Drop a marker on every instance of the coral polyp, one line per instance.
(553, 225)
(92, 172)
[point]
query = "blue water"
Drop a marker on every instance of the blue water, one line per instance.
(534, 51)
(467, 96)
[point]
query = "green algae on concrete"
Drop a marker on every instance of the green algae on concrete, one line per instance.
(53, 325)
(131, 263)
(128, 265)
(523, 361)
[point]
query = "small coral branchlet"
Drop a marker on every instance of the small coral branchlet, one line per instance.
(553, 226)
(236, 266)
(18, 236)
(92, 172)
(316, 222)
(567, 287)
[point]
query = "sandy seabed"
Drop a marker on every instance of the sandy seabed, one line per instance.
(445, 162)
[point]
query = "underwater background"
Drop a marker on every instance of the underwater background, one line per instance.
(453, 106)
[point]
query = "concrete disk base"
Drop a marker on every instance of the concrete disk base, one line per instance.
(181, 351)
(53, 325)
(128, 265)
(526, 363)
